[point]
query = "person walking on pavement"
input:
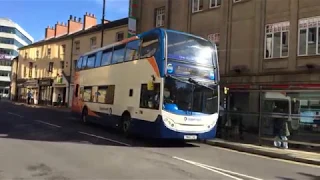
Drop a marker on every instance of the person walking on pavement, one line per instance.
(29, 96)
(59, 100)
(280, 130)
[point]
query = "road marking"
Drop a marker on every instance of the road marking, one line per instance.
(266, 157)
(15, 114)
(43, 122)
(100, 137)
(217, 170)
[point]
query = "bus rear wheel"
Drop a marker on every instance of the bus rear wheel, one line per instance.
(84, 115)
(126, 123)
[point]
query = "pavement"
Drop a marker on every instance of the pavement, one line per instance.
(286, 154)
(42, 143)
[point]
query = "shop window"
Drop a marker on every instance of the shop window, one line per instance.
(149, 45)
(150, 98)
(87, 94)
(105, 94)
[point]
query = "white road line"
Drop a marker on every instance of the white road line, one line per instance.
(215, 169)
(15, 114)
(266, 157)
(100, 137)
(53, 125)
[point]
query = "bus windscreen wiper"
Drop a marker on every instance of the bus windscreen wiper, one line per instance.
(197, 83)
(179, 79)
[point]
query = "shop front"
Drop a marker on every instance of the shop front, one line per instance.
(45, 91)
(31, 85)
(268, 114)
(60, 89)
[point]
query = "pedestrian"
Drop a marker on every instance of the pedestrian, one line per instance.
(280, 130)
(29, 95)
(59, 99)
(284, 133)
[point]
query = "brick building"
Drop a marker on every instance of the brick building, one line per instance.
(268, 55)
(46, 67)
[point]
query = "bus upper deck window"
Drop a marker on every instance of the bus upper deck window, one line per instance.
(79, 63)
(149, 45)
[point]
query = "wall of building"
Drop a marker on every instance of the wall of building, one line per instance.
(42, 60)
(242, 34)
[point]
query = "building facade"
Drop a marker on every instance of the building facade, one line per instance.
(46, 67)
(268, 58)
(12, 37)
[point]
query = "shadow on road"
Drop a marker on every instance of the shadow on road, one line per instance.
(72, 131)
(309, 176)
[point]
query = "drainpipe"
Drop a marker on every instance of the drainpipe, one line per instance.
(71, 64)
(16, 79)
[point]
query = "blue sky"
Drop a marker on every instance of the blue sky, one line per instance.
(35, 15)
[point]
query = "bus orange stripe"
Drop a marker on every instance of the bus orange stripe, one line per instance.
(154, 65)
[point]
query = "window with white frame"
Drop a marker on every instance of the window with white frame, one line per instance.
(277, 40)
(93, 42)
(309, 32)
(159, 17)
(197, 5)
(215, 38)
(215, 3)
(119, 36)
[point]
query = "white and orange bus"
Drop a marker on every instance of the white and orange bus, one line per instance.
(160, 84)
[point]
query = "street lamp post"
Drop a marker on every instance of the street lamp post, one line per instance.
(102, 21)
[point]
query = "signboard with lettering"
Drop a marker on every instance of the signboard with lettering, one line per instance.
(31, 83)
(47, 82)
(6, 57)
(182, 69)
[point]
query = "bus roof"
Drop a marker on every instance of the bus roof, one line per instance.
(138, 37)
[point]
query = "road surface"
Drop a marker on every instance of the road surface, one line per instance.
(40, 143)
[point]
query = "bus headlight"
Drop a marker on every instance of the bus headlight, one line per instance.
(169, 122)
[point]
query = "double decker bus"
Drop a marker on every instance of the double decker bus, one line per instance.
(159, 84)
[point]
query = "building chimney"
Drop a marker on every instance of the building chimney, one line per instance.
(79, 20)
(60, 29)
(89, 20)
(74, 25)
(49, 32)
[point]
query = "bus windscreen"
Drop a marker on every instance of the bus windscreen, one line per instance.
(189, 48)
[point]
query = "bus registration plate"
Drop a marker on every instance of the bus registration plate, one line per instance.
(190, 137)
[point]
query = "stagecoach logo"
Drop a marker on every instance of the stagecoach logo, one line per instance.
(191, 119)
(170, 68)
(211, 75)
(107, 110)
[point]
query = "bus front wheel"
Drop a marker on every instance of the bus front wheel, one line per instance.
(84, 115)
